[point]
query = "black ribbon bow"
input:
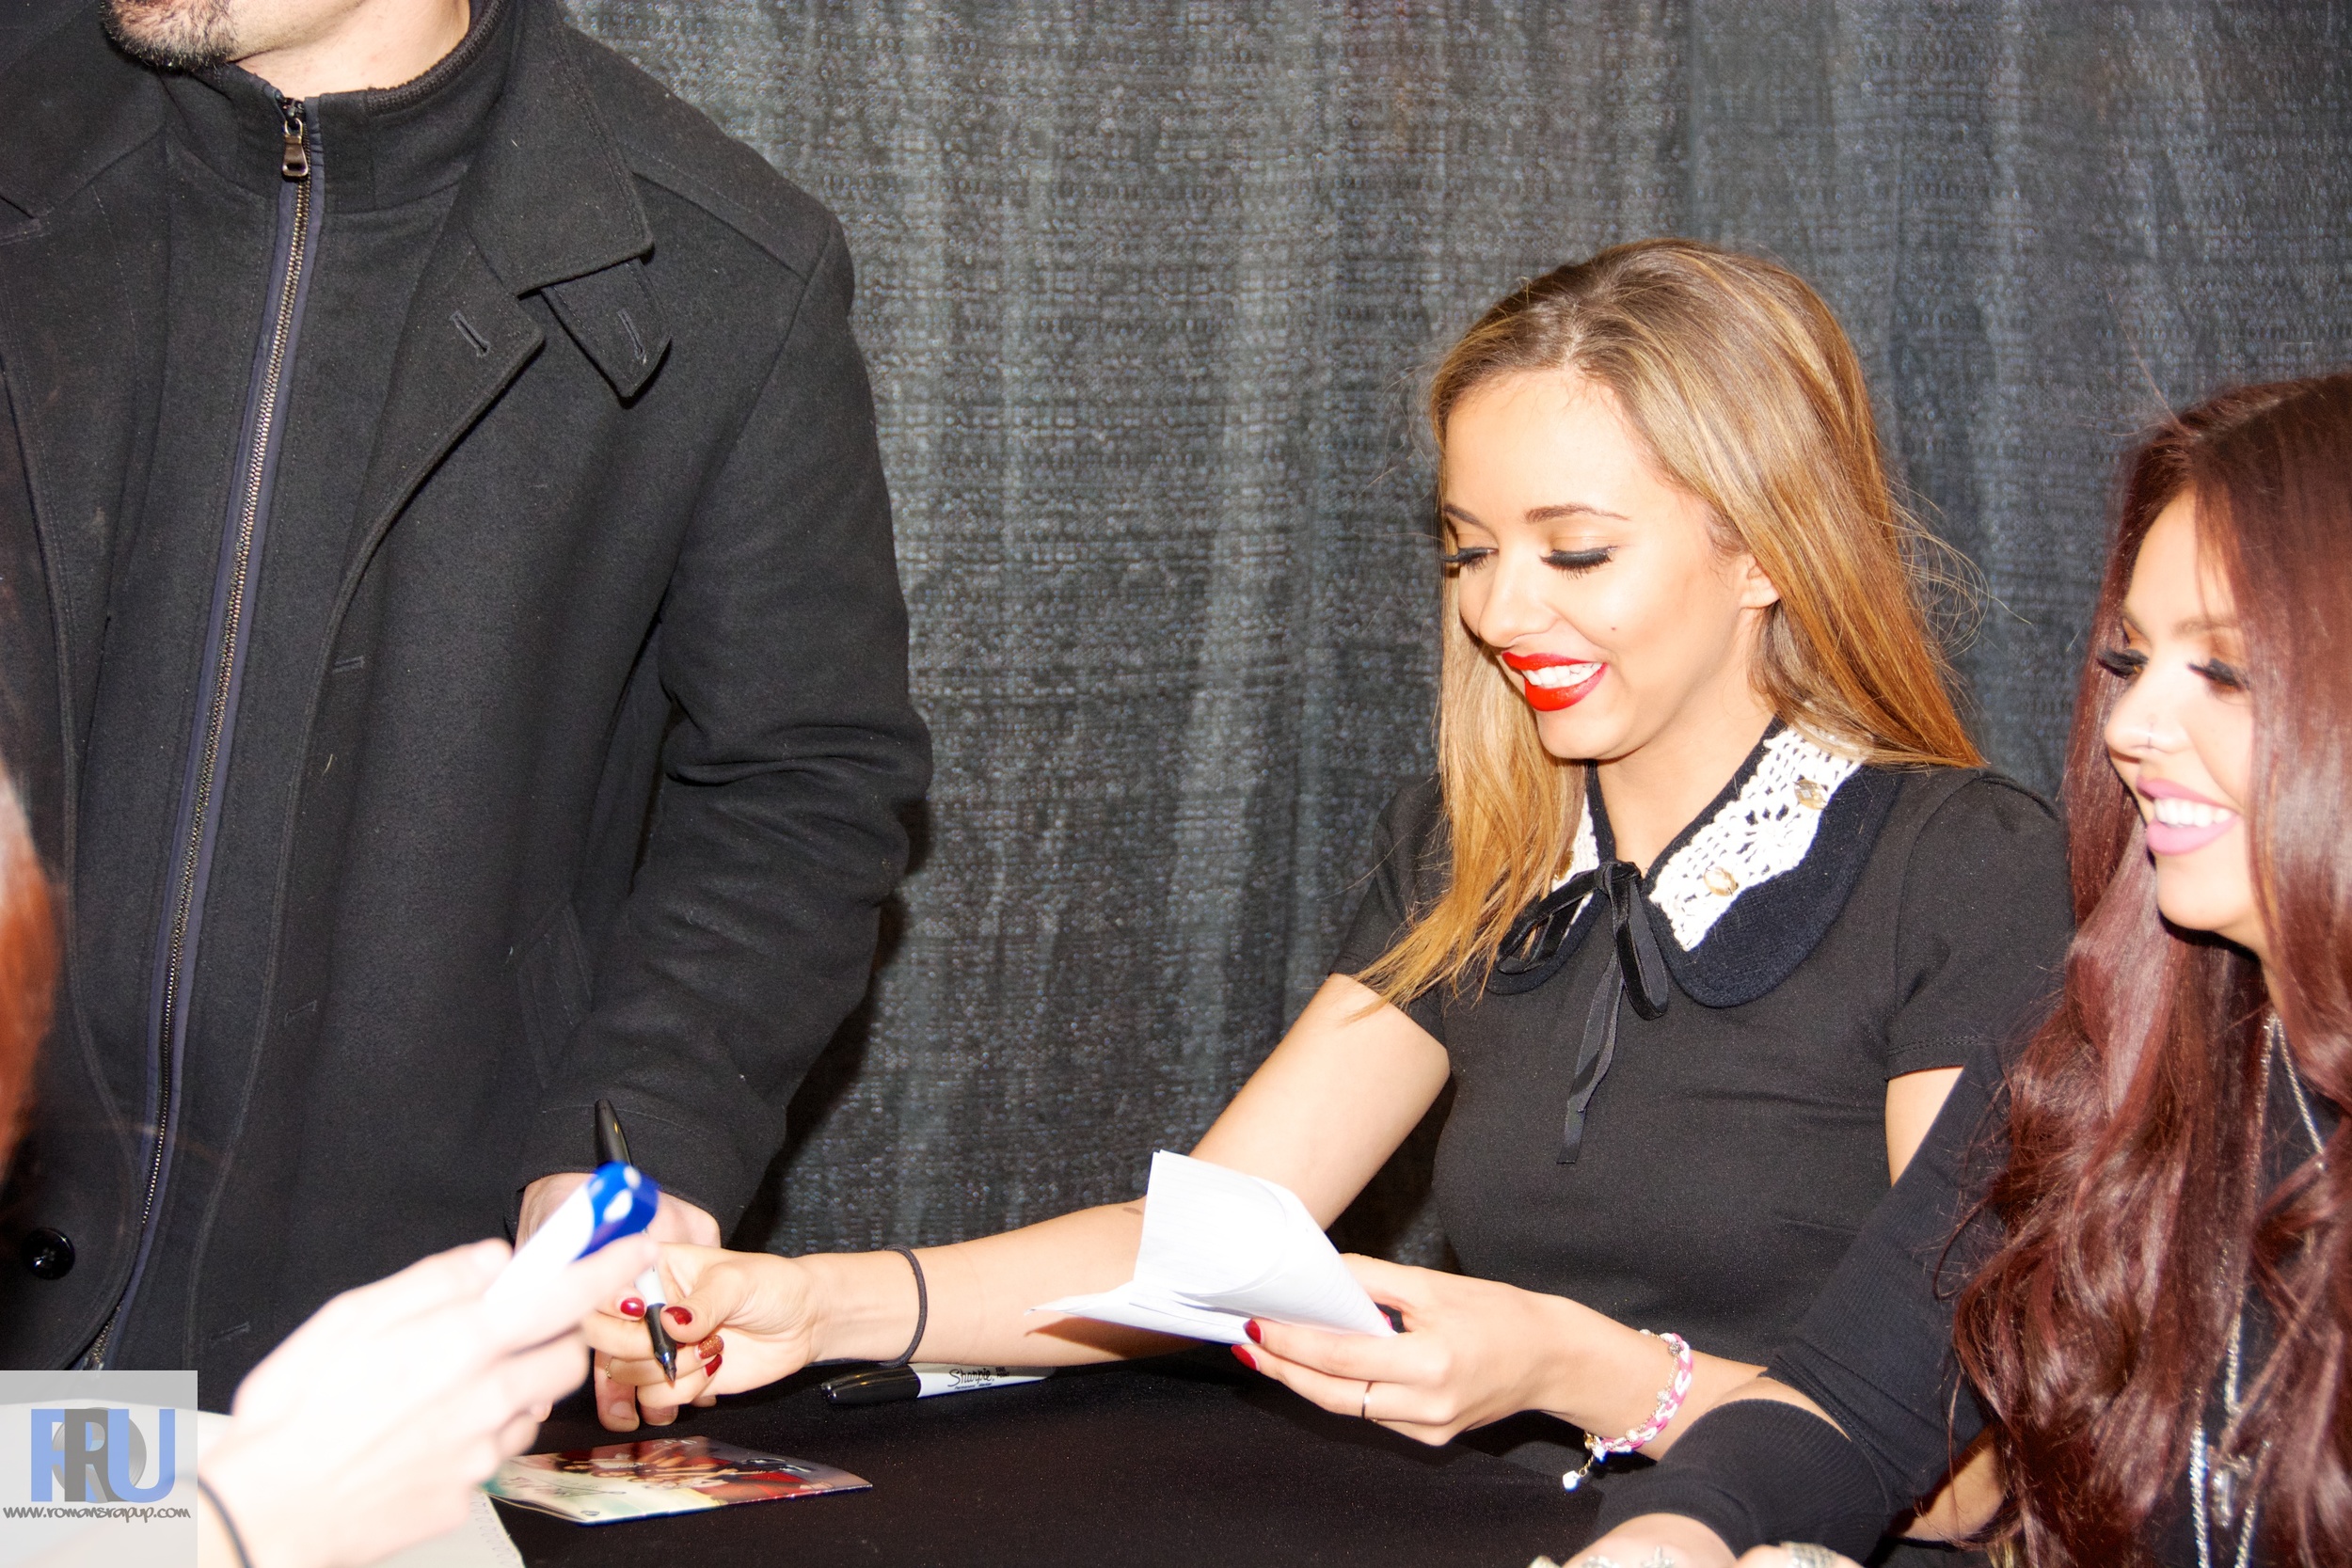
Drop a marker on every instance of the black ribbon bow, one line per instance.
(1636, 973)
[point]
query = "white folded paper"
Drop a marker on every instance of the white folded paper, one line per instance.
(1220, 1248)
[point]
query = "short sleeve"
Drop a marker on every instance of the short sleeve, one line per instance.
(1408, 871)
(1981, 935)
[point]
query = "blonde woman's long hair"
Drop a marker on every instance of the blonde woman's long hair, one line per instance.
(1741, 384)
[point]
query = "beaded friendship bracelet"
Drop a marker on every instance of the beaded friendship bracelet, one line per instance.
(1669, 1400)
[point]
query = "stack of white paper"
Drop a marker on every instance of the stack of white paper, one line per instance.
(1220, 1248)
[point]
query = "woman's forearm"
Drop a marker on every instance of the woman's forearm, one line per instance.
(980, 1293)
(215, 1546)
(1607, 1378)
(1352, 1077)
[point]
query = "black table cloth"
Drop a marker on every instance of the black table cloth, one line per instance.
(1186, 1459)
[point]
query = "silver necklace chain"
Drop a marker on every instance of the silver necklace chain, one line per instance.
(2216, 1480)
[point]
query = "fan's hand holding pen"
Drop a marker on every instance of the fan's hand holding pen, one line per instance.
(370, 1427)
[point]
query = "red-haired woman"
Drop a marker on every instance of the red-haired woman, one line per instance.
(28, 967)
(361, 1433)
(2150, 1296)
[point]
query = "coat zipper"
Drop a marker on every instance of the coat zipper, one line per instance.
(232, 594)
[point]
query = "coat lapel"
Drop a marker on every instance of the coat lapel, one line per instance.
(464, 342)
(548, 199)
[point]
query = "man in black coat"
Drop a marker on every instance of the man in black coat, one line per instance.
(450, 647)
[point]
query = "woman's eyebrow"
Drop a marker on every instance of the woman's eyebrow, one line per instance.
(1573, 509)
(1540, 513)
(2204, 626)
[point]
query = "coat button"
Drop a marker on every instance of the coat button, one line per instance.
(49, 1254)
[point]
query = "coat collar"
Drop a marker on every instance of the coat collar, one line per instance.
(549, 197)
(71, 106)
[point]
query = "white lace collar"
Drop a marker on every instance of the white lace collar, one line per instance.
(1762, 832)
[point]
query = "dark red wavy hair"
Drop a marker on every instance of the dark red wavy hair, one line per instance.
(2132, 1203)
(28, 966)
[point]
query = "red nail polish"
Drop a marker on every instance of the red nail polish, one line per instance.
(711, 1368)
(1251, 1329)
(632, 1308)
(1244, 1358)
(679, 1315)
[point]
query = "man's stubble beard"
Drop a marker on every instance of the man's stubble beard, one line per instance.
(174, 34)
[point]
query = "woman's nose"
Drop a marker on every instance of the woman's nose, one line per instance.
(1512, 605)
(2139, 726)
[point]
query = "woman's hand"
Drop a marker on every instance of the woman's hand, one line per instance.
(1664, 1541)
(740, 1320)
(370, 1427)
(1474, 1352)
(1670, 1540)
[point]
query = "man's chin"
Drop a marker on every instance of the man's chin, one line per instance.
(173, 35)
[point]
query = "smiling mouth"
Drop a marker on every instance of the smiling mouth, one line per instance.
(2179, 827)
(1558, 677)
(1553, 684)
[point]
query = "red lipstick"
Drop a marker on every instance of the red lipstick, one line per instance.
(1555, 692)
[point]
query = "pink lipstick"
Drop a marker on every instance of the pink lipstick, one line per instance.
(2181, 821)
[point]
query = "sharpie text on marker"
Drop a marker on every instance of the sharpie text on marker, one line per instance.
(925, 1380)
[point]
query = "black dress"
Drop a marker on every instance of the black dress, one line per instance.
(1822, 927)
(1875, 1350)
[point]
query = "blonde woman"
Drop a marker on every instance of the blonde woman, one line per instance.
(1708, 899)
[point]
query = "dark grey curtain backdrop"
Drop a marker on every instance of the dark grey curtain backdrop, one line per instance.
(1145, 286)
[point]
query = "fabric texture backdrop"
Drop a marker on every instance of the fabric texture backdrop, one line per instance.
(1147, 289)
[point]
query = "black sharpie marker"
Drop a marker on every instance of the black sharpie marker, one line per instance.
(612, 1145)
(925, 1380)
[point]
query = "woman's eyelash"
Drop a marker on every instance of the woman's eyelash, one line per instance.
(1574, 562)
(2229, 677)
(2128, 663)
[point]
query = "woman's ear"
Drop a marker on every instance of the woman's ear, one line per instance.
(1754, 590)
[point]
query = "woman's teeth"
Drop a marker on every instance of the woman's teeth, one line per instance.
(1555, 677)
(2175, 812)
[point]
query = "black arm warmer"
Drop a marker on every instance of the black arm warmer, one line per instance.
(1756, 1472)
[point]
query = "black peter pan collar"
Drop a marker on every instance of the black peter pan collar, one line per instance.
(1727, 911)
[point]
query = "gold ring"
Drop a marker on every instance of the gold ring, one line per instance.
(1363, 1411)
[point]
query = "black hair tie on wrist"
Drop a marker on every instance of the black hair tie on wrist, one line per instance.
(227, 1522)
(922, 1306)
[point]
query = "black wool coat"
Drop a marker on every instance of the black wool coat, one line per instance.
(609, 746)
